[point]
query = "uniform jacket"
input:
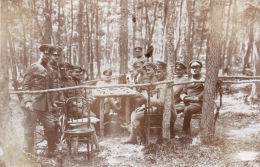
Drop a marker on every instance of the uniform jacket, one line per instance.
(37, 77)
(194, 89)
(177, 89)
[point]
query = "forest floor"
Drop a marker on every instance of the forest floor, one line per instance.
(236, 143)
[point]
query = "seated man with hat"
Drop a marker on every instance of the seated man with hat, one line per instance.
(111, 104)
(157, 70)
(192, 96)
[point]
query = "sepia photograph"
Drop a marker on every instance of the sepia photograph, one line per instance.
(130, 83)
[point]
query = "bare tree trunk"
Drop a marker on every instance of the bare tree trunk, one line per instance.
(188, 50)
(249, 47)
(97, 41)
(257, 67)
(71, 35)
(134, 24)
(123, 38)
(80, 39)
(88, 41)
(4, 81)
(212, 65)
(59, 22)
(170, 50)
(231, 44)
(91, 47)
(226, 39)
(48, 23)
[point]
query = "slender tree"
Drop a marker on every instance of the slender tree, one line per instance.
(212, 65)
(123, 37)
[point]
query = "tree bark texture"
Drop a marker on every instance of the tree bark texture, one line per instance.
(80, 39)
(212, 65)
(123, 38)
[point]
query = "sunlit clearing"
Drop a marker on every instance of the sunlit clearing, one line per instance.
(246, 155)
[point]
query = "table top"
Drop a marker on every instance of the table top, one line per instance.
(114, 92)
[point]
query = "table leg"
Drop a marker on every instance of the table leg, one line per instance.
(101, 117)
(127, 110)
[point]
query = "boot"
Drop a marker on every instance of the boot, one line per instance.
(132, 139)
(172, 131)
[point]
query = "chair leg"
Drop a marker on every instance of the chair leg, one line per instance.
(88, 149)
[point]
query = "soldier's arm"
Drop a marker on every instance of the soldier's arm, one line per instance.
(27, 82)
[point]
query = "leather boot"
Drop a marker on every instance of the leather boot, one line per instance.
(132, 138)
(172, 131)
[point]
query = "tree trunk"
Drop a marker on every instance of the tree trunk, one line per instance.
(91, 47)
(97, 42)
(231, 44)
(249, 47)
(188, 50)
(71, 35)
(48, 23)
(170, 50)
(123, 38)
(226, 39)
(212, 65)
(4, 81)
(80, 39)
(257, 66)
(88, 42)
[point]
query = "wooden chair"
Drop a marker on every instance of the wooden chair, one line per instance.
(79, 128)
(153, 116)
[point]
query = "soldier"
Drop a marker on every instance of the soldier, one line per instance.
(39, 106)
(180, 71)
(156, 100)
(111, 104)
(55, 75)
(192, 96)
(138, 54)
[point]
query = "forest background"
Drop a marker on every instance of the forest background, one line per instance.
(100, 34)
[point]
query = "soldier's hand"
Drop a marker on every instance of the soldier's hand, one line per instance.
(28, 105)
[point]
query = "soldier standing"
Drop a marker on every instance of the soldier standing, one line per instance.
(55, 75)
(39, 106)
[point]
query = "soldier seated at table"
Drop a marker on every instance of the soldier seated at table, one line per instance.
(72, 78)
(157, 99)
(111, 104)
(192, 96)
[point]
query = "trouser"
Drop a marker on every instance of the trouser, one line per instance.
(137, 121)
(29, 124)
(50, 128)
(188, 111)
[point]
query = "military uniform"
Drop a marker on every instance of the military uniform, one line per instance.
(192, 96)
(156, 102)
(37, 77)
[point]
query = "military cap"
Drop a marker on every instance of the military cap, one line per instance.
(46, 48)
(195, 63)
(56, 50)
(138, 49)
(107, 72)
(65, 66)
(181, 65)
(137, 62)
(160, 64)
(76, 67)
(149, 64)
